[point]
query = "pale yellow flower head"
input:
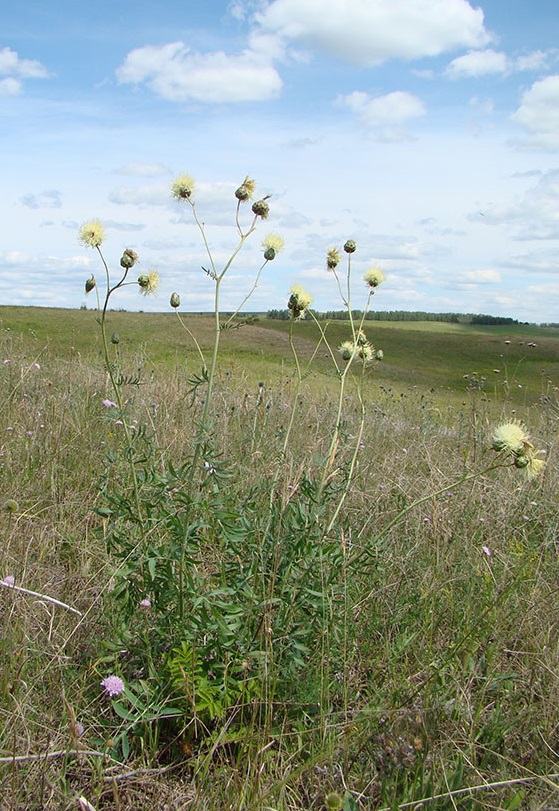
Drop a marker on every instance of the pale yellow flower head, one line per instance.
(530, 464)
(149, 282)
(373, 277)
(183, 187)
(332, 258)
(92, 234)
(273, 241)
(299, 301)
(346, 350)
(511, 437)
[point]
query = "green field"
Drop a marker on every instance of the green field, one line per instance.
(307, 587)
(516, 364)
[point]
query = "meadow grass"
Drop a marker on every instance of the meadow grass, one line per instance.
(421, 669)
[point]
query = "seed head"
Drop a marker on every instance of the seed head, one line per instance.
(92, 234)
(183, 187)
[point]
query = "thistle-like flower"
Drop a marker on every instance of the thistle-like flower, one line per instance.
(347, 350)
(530, 464)
(299, 301)
(272, 245)
(373, 277)
(183, 187)
(149, 282)
(333, 258)
(245, 190)
(512, 438)
(92, 234)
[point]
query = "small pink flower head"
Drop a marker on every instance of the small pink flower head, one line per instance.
(486, 551)
(113, 685)
(9, 580)
(145, 603)
(109, 404)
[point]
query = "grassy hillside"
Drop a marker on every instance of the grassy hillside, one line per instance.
(506, 364)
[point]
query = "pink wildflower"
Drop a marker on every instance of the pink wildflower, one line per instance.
(9, 580)
(109, 404)
(113, 685)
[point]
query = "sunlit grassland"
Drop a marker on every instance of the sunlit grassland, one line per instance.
(442, 675)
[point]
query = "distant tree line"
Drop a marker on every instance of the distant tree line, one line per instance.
(400, 315)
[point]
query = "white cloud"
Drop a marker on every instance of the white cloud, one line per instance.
(539, 112)
(12, 65)
(481, 276)
(477, 63)
(10, 87)
(369, 33)
(173, 72)
(383, 116)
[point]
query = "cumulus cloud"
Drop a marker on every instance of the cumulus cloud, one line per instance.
(477, 63)
(539, 113)
(384, 116)
(175, 73)
(15, 70)
(368, 34)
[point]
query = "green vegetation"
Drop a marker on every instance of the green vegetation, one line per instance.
(258, 568)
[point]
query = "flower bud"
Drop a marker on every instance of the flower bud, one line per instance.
(175, 300)
(350, 246)
(115, 338)
(261, 208)
(269, 254)
(90, 284)
(245, 190)
(128, 258)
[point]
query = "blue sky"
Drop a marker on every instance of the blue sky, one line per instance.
(425, 130)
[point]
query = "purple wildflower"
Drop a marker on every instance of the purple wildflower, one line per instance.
(9, 580)
(113, 685)
(109, 404)
(145, 603)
